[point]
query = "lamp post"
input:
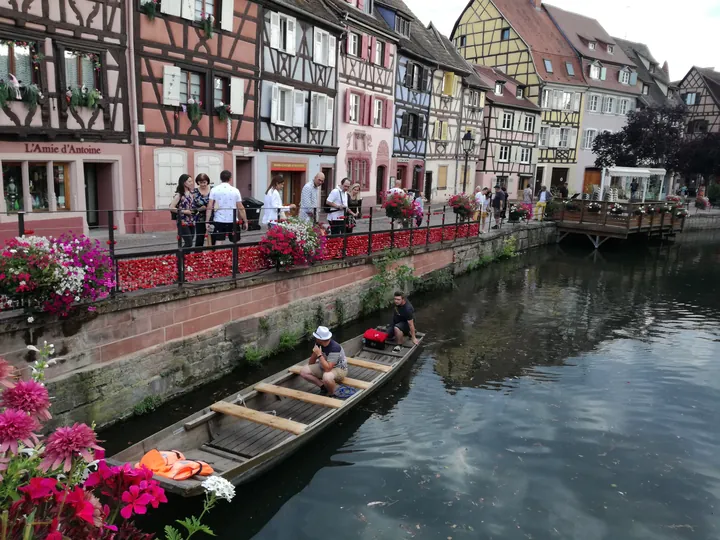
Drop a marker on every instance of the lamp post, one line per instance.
(468, 145)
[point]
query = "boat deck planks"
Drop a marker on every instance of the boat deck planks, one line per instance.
(259, 417)
(308, 397)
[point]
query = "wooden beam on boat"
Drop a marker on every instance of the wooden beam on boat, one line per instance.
(259, 417)
(369, 365)
(307, 397)
(347, 381)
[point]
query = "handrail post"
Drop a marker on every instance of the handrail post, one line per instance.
(457, 216)
(345, 233)
(411, 232)
(180, 255)
(605, 210)
(442, 229)
(429, 216)
(234, 246)
(111, 243)
(370, 231)
(392, 233)
(21, 223)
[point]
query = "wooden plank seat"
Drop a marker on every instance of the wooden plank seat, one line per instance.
(347, 381)
(238, 411)
(307, 397)
(369, 365)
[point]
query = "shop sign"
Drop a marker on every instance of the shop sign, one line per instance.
(38, 148)
(287, 166)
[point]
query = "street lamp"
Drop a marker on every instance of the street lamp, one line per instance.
(468, 144)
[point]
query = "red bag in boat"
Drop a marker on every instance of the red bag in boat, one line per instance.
(375, 339)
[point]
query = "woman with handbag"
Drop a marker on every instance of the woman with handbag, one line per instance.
(201, 198)
(354, 207)
(181, 208)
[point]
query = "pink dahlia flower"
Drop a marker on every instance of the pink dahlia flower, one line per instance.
(65, 443)
(16, 427)
(28, 396)
(6, 371)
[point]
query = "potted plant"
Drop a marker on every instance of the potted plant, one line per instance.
(194, 110)
(462, 205)
(397, 205)
(517, 213)
(572, 206)
(639, 211)
(150, 8)
(616, 209)
(703, 203)
(206, 22)
(223, 111)
(593, 207)
(308, 238)
(681, 212)
(83, 97)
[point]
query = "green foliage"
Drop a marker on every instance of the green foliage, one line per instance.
(4, 94)
(147, 405)
(340, 310)
(264, 325)
(308, 328)
(319, 316)
(288, 340)
(32, 95)
(382, 284)
(194, 111)
(149, 8)
(701, 155)
(82, 97)
(480, 262)
(171, 533)
(713, 192)
(254, 355)
(439, 279)
(193, 524)
(509, 249)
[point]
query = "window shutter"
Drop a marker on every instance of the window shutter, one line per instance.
(514, 154)
(436, 130)
(171, 85)
(518, 119)
(373, 42)
(573, 138)
(361, 4)
(332, 50)
(585, 138)
(603, 74)
(363, 109)
(291, 35)
(445, 131)
(388, 58)
(387, 113)
(404, 124)
(274, 30)
(577, 98)
(408, 74)
(237, 95)
(633, 78)
(554, 136)
(423, 79)
(171, 7)
(274, 104)
(329, 112)
(188, 9)
(557, 99)
(421, 127)
(364, 46)
(228, 12)
(348, 93)
(604, 104)
(317, 46)
(348, 41)
(299, 107)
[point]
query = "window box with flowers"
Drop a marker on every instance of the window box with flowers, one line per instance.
(150, 8)
(207, 23)
(223, 111)
(194, 110)
(19, 73)
(82, 76)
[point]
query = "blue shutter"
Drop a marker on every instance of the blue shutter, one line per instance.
(633, 78)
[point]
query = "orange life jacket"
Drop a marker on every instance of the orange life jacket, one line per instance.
(160, 460)
(186, 468)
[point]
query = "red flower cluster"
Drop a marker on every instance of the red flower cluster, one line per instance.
(280, 247)
(397, 205)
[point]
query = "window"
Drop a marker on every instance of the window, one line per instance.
(507, 120)
(284, 105)
(546, 99)
(13, 186)
(624, 77)
(697, 126)
(690, 98)
(220, 91)
(442, 177)
(474, 98)
(379, 52)
(570, 69)
(318, 111)
(282, 32)
(594, 103)
(365, 6)
(204, 9)
(354, 108)
(504, 155)
(353, 44)
(16, 59)
(358, 172)
(520, 92)
(499, 88)
(324, 48)
(589, 139)
(412, 126)
(645, 89)
(441, 130)
(461, 41)
(611, 49)
(543, 136)
(609, 106)
(594, 72)
(525, 155)
(505, 34)
(378, 113)
(529, 124)
(567, 101)
(548, 65)
(592, 45)
(416, 77)
(448, 84)
(564, 141)
(61, 185)
(402, 26)
(191, 87)
(81, 69)
(623, 106)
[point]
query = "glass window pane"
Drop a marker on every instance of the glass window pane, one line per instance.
(210, 7)
(23, 64)
(195, 86)
(38, 186)
(4, 61)
(12, 186)
(88, 73)
(61, 185)
(218, 94)
(71, 69)
(198, 10)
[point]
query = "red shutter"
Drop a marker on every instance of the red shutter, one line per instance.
(361, 4)
(388, 106)
(364, 45)
(363, 104)
(388, 59)
(347, 105)
(373, 40)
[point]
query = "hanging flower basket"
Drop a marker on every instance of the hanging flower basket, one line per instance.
(194, 110)
(616, 209)
(517, 213)
(593, 207)
(223, 111)
(207, 22)
(397, 205)
(462, 205)
(82, 97)
(150, 8)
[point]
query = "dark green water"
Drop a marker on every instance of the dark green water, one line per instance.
(559, 396)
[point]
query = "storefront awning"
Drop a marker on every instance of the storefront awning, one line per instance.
(635, 172)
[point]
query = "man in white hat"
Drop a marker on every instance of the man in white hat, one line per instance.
(327, 364)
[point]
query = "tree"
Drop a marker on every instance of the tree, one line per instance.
(652, 137)
(700, 155)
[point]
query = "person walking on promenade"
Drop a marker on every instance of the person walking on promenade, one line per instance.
(528, 195)
(273, 209)
(479, 196)
(563, 191)
(419, 208)
(338, 200)
(201, 198)
(403, 321)
(499, 201)
(328, 363)
(354, 206)
(541, 204)
(309, 198)
(181, 207)
(224, 199)
(397, 188)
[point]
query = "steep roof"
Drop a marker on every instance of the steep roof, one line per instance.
(579, 29)
(450, 57)
(538, 31)
(712, 79)
(490, 76)
(655, 95)
(418, 43)
(316, 9)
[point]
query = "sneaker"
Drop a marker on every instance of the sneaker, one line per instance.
(324, 391)
(397, 348)
(495, 227)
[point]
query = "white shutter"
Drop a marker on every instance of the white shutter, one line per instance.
(604, 104)
(576, 101)
(274, 30)
(317, 46)
(171, 85)
(210, 163)
(188, 9)
(291, 36)
(237, 95)
(573, 138)
(496, 152)
(274, 104)
(226, 17)
(332, 52)
(171, 7)
(514, 154)
(554, 137)
(583, 142)
(557, 99)
(330, 109)
(299, 108)
(519, 117)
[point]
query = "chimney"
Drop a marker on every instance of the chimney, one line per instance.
(666, 69)
(537, 4)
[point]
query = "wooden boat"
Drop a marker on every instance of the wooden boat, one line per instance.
(248, 433)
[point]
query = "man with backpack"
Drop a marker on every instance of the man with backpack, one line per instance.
(338, 202)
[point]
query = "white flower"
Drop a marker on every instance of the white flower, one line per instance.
(32, 347)
(220, 487)
(31, 319)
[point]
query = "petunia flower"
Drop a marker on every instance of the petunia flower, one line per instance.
(28, 396)
(67, 442)
(40, 488)
(136, 502)
(16, 427)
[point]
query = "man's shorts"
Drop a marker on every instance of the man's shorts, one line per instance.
(404, 327)
(318, 371)
(222, 230)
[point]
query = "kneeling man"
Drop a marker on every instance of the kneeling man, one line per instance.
(403, 322)
(327, 364)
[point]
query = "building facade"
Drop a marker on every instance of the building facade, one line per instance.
(653, 79)
(509, 146)
(196, 86)
(298, 96)
(518, 38)
(700, 92)
(65, 124)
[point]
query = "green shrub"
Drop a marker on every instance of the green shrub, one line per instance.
(254, 355)
(147, 405)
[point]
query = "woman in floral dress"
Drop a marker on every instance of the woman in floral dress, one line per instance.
(182, 205)
(201, 198)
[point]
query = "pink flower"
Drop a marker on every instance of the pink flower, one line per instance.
(28, 396)
(16, 426)
(40, 488)
(62, 446)
(6, 371)
(136, 502)
(83, 504)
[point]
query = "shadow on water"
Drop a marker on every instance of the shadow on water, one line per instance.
(561, 394)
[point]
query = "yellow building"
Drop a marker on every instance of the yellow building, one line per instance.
(518, 38)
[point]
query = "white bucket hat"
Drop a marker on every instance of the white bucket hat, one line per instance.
(322, 333)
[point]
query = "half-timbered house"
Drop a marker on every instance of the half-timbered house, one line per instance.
(298, 94)
(700, 92)
(509, 148)
(196, 70)
(65, 132)
(518, 38)
(656, 89)
(366, 84)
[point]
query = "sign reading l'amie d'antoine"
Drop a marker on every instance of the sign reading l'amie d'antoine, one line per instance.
(36, 148)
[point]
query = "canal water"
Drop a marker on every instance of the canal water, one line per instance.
(559, 395)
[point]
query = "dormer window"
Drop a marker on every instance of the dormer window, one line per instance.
(611, 49)
(520, 92)
(402, 26)
(499, 85)
(570, 69)
(645, 89)
(595, 71)
(592, 45)
(505, 34)
(548, 65)
(624, 76)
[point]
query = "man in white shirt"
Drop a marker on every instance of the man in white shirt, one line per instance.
(309, 197)
(223, 200)
(397, 188)
(338, 199)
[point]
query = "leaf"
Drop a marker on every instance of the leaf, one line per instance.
(171, 533)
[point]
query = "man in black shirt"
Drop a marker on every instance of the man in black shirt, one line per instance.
(563, 190)
(499, 201)
(403, 322)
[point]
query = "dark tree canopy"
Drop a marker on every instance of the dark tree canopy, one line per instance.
(701, 155)
(651, 137)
